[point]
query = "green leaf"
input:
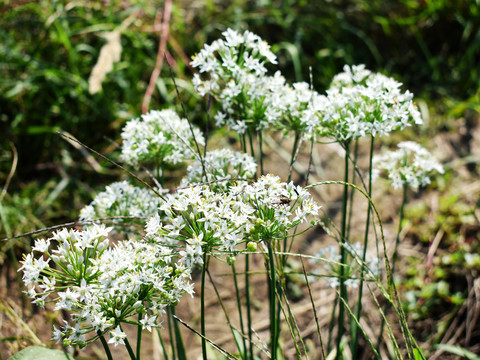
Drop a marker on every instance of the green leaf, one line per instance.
(418, 353)
(40, 353)
(457, 350)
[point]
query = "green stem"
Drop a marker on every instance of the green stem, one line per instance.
(352, 193)
(250, 138)
(343, 253)
(249, 310)
(139, 335)
(294, 151)
(240, 315)
(129, 348)
(331, 325)
(394, 260)
(356, 328)
(105, 345)
(272, 301)
(260, 148)
(178, 336)
(170, 332)
(202, 309)
(164, 350)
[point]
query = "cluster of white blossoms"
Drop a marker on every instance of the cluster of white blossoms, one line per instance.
(103, 286)
(160, 138)
(220, 165)
(331, 260)
(278, 206)
(250, 98)
(121, 199)
(410, 165)
(358, 102)
(363, 103)
(198, 220)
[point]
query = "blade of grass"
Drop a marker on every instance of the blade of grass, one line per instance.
(317, 322)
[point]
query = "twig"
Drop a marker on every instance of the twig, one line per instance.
(167, 10)
(12, 170)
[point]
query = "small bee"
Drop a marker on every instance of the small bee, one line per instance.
(283, 200)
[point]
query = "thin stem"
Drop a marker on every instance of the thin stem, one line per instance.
(139, 335)
(164, 350)
(240, 315)
(170, 332)
(250, 138)
(129, 348)
(178, 336)
(394, 260)
(272, 300)
(331, 325)
(260, 148)
(355, 332)
(294, 152)
(249, 309)
(317, 321)
(105, 345)
(352, 193)
(310, 161)
(343, 252)
(224, 310)
(202, 309)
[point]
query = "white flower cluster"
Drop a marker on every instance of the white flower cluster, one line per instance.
(358, 102)
(331, 258)
(410, 165)
(278, 206)
(249, 97)
(198, 220)
(159, 137)
(121, 199)
(103, 286)
(222, 164)
(364, 103)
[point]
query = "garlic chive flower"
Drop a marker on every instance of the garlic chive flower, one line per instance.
(363, 103)
(250, 98)
(221, 165)
(101, 285)
(330, 258)
(233, 71)
(410, 165)
(121, 199)
(295, 108)
(196, 220)
(278, 206)
(160, 138)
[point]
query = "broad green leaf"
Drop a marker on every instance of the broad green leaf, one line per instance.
(40, 353)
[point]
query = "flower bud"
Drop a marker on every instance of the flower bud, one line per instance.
(252, 246)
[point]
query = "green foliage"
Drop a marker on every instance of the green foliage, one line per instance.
(40, 353)
(440, 284)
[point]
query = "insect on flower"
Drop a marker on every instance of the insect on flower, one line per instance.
(283, 200)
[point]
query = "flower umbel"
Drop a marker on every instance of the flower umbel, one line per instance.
(410, 165)
(159, 137)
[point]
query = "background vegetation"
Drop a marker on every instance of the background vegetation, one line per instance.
(49, 48)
